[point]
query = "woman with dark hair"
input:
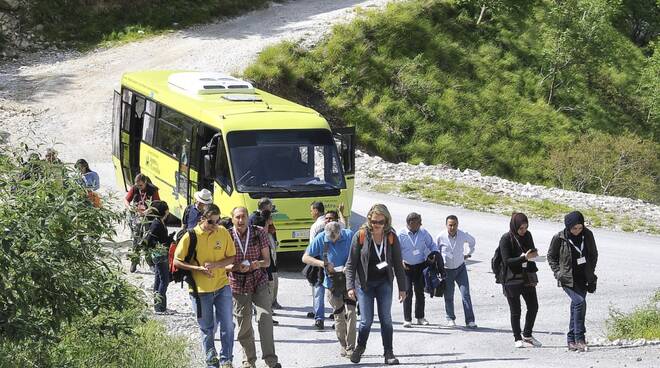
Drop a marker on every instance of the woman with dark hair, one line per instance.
(90, 178)
(572, 256)
(158, 242)
(373, 263)
(518, 254)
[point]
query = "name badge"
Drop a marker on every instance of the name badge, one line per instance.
(245, 262)
(581, 260)
(416, 252)
(381, 265)
(524, 265)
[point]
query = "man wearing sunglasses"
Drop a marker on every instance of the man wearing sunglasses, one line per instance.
(213, 252)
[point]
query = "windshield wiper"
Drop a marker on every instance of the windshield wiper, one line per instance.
(326, 184)
(275, 186)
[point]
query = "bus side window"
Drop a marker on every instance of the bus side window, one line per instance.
(149, 122)
(222, 174)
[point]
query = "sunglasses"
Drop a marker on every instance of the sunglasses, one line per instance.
(379, 222)
(211, 222)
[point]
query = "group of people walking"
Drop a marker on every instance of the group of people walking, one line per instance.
(362, 266)
(235, 276)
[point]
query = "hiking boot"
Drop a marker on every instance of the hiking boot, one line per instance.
(319, 324)
(390, 359)
(582, 346)
(572, 346)
(422, 322)
(532, 341)
(407, 324)
(357, 354)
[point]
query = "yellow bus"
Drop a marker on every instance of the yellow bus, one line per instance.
(192, 130)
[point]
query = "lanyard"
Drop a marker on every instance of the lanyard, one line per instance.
(576, 248)
(380, 249)
(452, 246)
(414, 241)
(240, 243)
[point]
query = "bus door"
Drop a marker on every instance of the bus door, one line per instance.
(168, 163)
(345, 141)
(127, 127)
(216, 164)
(117, 139)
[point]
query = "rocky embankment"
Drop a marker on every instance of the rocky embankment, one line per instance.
(373, 170)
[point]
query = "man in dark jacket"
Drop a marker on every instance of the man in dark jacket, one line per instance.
(572, 256)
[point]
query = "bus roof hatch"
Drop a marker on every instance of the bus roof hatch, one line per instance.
(209, 83)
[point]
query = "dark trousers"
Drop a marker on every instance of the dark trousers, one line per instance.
(513, 293)
(414, 280)
(161, 281)
(576, 327)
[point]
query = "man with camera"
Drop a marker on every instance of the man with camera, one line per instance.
(330, 250)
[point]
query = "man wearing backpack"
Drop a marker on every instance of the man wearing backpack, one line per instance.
(193, 212)
(452, 243)
(211, 249)
(330, 250)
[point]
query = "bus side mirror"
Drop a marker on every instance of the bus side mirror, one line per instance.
(208, 166)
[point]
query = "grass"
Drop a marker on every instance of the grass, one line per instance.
(642, 323)
(474, 198)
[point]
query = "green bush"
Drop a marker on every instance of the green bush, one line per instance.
(643, 322)
(422, 81)
(64, 301)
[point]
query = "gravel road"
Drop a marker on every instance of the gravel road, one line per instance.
(66, 97)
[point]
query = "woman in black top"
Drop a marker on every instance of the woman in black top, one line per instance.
(518, 252)
(158, 242)
(572, 257)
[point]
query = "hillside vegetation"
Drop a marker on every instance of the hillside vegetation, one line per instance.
(559, 93)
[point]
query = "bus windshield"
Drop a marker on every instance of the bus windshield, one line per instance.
(289, 161)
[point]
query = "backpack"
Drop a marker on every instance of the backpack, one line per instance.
(362, 234)
(180, 275)
(497, 266)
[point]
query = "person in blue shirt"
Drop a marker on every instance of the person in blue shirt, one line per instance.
(331, 249)
(416, 245)
(90, 178)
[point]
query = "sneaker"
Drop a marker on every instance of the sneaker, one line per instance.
(407, 324)
(357, 354)
(346, 353)
(572, 346)
(582, 346)
(519, 344)
(276, 323)
(532, 341)
(226, 365)
(422, 321)
(311, 314)
(450, 323)
(276, 305)
(471, 325)
(319, 324)
(390, 359)
(331, 317)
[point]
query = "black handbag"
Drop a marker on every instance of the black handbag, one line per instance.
(311, 273)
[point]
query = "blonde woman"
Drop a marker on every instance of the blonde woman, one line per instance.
(374, 261)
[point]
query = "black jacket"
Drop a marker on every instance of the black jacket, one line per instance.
(513, 257)
(561, 261)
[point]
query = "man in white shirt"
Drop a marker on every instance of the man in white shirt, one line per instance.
(416, 245)
(452, 243)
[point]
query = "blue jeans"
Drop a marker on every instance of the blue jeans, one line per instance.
(161, 281)
(381, 291)
(576, 327)
(460, 276)
(221, 301)
(319, 303)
